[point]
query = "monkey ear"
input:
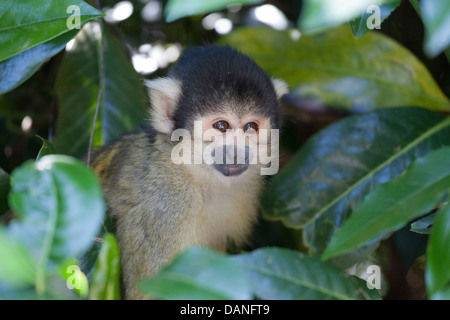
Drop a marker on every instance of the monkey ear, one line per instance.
(164, 94)
(281, 87)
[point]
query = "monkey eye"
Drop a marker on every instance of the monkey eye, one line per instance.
(251, 125)
(221, 126)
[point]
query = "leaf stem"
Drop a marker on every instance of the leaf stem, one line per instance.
(100, 86)
(41, 270)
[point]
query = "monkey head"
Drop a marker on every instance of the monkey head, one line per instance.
(221, 109)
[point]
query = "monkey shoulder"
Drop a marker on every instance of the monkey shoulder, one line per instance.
(136, 171)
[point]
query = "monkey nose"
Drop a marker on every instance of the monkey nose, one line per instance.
(231, 161)
(231, 155)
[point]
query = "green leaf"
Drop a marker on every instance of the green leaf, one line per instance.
(286, 274)
(106, 277)
(46, 149)
(436, 17)
(20, 67)
(75, 278)
(416, 5)
(176, 9)
(25, 24)
(122, 106)
(391, 205)
(355, 153)
(318, 15)
(443, 294)
(16, 265)
(335, 169)
(199, 274)
(362, 74)
(359, 26)
(60, 208)
(423, 225)
(437, 272)
(4, 190)
(8, 292)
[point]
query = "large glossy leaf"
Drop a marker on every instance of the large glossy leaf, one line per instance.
(436, 17)
(106, 277)
(318, 15)
(60, 208)
(341, 71)
(25, 24)
(437, 273)
(122, 106)
(20, 67)
(360, 25)
(333, 172)
(199, 274)
(176, 9)
(285, 274)
(392, 205)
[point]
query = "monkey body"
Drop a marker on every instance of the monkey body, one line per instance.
(162, 214)
(160, 207)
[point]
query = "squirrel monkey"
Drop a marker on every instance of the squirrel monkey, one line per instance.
(162, 205)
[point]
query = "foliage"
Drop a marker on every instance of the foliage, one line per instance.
(199, 274)
(59, 211)
(334, 68)
(406, 197)
(437, 273)
(350, 186)
(267, 273)
(80, 68)
(176, 9)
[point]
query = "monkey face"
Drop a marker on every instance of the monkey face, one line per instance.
(233, 140)
(229, 145)
(236, 104)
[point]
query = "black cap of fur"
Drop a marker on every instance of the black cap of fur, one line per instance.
(214, 76)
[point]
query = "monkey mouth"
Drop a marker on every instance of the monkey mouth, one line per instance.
(231, 169)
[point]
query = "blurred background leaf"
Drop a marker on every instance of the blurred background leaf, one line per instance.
(436, 17)
(176, 9)
(340, 71)
(318, 15)
(80, 69)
